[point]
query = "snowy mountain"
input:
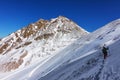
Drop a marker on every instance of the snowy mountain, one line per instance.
(83, 60)
(23, 52)
(60, 50)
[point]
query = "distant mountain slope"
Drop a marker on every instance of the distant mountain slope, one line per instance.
(83, 60)
(31, 47)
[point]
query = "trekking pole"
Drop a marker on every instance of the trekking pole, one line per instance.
(109, 52)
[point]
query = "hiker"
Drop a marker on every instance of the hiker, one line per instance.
(105, 52)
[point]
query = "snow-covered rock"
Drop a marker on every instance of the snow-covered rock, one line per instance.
(23, 52)
(83, 60)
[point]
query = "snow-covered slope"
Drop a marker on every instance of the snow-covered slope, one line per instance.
(61, 50)
(83, 60)
(31, 49)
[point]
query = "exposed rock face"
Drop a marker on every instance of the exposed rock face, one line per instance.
(11, 65)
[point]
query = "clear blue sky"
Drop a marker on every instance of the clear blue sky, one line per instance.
(89, 14)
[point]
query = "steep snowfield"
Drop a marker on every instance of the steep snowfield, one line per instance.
(83, 60)
(26, 53)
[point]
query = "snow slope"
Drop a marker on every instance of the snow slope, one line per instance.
(83, 60)
(30, 49)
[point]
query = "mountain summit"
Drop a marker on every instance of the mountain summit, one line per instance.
(37, 43)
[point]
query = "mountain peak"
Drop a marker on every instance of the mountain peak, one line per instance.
(62, 17)
(64, 22)
(38, 41)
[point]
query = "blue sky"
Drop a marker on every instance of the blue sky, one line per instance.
(89, 14)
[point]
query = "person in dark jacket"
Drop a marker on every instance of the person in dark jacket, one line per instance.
(105, 51)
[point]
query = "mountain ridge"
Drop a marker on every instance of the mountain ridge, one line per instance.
(49, 36)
